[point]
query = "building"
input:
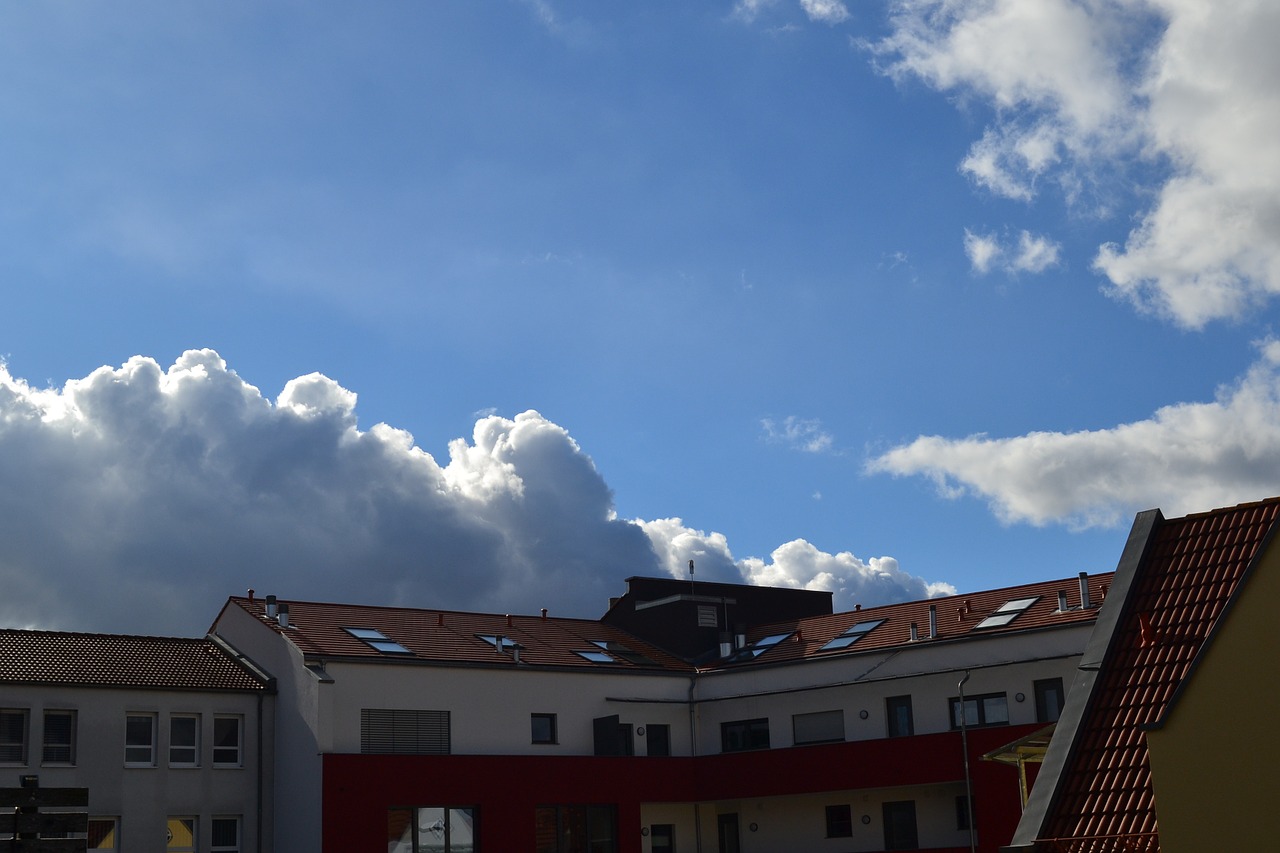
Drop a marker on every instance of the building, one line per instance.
(1167, 742)
(707, 717)
(171, 737)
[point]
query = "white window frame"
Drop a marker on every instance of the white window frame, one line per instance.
(24, 739)
(150, 761)
(69, 746)
(223, 848)
(115, 831)
(238, 719)
(193, 748)
(195, 834)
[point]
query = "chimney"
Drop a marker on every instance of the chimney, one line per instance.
(544, 613)
(726, 644)
(282, 617)
(1084, 591)
(271, 607)
(739, 636)
(933, 621)
(498, 641)
(515, 653)
(251, 595)
(439, 620)
(508, 620)
(1062, 601)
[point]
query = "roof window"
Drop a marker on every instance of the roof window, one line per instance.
(378, 640)
(753, 650)
(852, 634)
(618, 650)
(502, 644)
(594, 656)
(1007, 612)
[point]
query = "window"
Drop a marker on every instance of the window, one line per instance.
(104, 833)
(378, 640)
(227, 746)
(224, 835)
(628, 654)
(13, 736)
(59, 737)
(575, 829)
(753, 650)
(181, 835)
(839, 822)
(1007, 612)
(594, 656)
(502, 644)
(852, 634)
(404, 732)
(543, 727)
(900, 825)
(662, 838)
(184, 740)
(820, 727)
(140, 740)
(658, 739)
(898, 714)
(1049, 699)
(989, 710)
(611, 736)
(744, 734)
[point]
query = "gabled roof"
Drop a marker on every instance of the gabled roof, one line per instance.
(1174, 580)
(957, 617)
(450, 636)
(111, 660)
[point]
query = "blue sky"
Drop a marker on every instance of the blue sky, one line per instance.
(883, 298)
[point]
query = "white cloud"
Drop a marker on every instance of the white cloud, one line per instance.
(1033, 253)
(748, 10)
(806, 434)
(1183, 458)
(138, 498)
(1086, 87)
(797, 564)
(825, 11)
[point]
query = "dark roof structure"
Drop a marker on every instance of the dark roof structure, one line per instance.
(1175, 577)
(65, 659)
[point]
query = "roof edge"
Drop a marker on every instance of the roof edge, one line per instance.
(1046, 793)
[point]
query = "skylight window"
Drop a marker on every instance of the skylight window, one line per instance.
(507, 644)
(595, 657)
(618, 650)
(1007, 612)
(852, 634)
(378, 640)
(753, 650)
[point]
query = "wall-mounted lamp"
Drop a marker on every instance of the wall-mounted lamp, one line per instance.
(640, 731)
(862, 715)
(754, 827)
(866, 819)
(644, 830)
(1020, 697)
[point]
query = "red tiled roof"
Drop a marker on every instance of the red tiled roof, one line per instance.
(957, 616)
(111, 660)
(451, 636)
(1191, 568)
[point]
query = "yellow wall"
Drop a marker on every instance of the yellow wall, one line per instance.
(1215, 762)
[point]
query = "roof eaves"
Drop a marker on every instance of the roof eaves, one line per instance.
(1050, 782)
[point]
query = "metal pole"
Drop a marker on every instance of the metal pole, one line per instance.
(968, 782)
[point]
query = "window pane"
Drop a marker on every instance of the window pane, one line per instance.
(462, 830)
(543, 728)
(995, 709)
(823, 726)
(225, 834)
(139, 739)
(181, 835)
(658, 738)
(59, 737)
(102, 833)
(898, 712)
(400, 831)
(183, 740)
(839, 821)
(13, 736)
(226, 740)
(431, 830)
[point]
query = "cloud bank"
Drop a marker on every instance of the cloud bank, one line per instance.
(138, 498)
(1082, 89)
(1184, 458)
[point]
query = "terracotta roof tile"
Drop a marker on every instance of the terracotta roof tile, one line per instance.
(1192, 568)
(450, 636)
(113, 660)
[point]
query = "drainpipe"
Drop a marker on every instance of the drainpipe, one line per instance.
(968, 782)
(258, 793)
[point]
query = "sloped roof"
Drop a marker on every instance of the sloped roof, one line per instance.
(450, 636)
(958, 617)
(112, 660)
(1174, 580)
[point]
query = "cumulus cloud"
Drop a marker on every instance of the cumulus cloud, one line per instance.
(1182, 459)
(805, 434)
(797, 564)
(1031, 253)
(138, 498)
(1181, 89)
(825, 11)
